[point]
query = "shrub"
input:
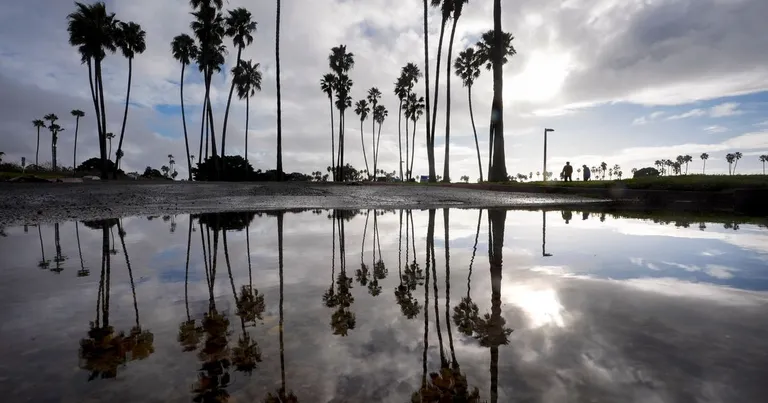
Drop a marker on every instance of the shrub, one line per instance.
(647, 172)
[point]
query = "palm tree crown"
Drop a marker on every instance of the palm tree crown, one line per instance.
(130, 39)
(240, 27)
(485, 49)
(77, 113)
(467, 66)
(380, 113)
(362, 109)
(92, 30)
(38, 123)
(184, 49)
(328, 84)
(340, 60)
(247, 79)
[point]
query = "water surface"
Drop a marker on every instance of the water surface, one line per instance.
(358, 306)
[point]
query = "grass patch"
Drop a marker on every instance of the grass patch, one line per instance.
(45, 175)
(709, 183)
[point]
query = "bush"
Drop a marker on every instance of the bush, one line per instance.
(234, 168)
(94, 164)
(646, 173)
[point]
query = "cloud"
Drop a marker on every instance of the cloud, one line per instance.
(717, 111)
(645, 119)
(690, 114)
(715, 129)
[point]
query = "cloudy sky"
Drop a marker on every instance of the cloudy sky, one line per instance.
(621, 81)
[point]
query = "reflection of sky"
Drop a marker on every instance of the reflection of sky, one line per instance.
(624, 310)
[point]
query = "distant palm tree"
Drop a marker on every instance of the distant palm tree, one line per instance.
(341, 62)
(379, 115)
(93, 31)
(184, 51)
(603, 168)
(401, 91)
(686, 160)
(44, 263)
(240, 27)
(130, 40)
(467, 67)
(110, 136)
(458, 6)
(730, 158)
(279, 103)
(736, 156)
(38, 123)
(414, 109)
(77, 113)
(327, 85)
(55, 130)
(362, 109)
(248, 81)
(704, 157)
(373, 98)
(763, 159)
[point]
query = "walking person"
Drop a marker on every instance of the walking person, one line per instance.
(587, 173)
(567, 172)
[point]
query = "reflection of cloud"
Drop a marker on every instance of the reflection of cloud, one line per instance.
(712, 252)
(719, 271)
(541, 305)
(677, 288)
(683, 266)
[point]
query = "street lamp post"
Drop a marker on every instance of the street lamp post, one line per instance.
(545, 152)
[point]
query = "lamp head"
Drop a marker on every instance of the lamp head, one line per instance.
(548, 130)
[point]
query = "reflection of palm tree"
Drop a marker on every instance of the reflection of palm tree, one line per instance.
(83, 272)
(189, 332)
(379, 269)
(409, 280)
(140, 341)
(431, 260)
(282, 395)
(446, 225)
(466, 313)
(490, 329)
(43, 264)
(343, 320)
(361, 275)
(59, 258)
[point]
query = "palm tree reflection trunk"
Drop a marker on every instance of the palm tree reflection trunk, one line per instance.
(280, 267)
(433, 261)
(82, 272)
(186, 269)
(446, 225)
(121, 234)
(497, 219)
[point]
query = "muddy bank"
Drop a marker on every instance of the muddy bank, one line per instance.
(48, 202)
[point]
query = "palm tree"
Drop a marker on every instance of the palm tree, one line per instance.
(467, 67)
(340, 62)
(686, 160)
(362, 109)
(93, 31)
(55, 130)
(38, 123)
(736, 156)
(373, 98)
(763, 159)
(730, 158)
(239, 27)
(458, 6)
(184, 51)
(704, 157)
(248, 81)
(430, 146)
(110, 136)
(603, 168)
(379, 115)
(446, 9)
(401, 91)
(130, 40)
(414, 109)
(493, 50)
(279, 103)
(327, 85)
(77, 113)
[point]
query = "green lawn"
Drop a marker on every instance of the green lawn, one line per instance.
(682, 182)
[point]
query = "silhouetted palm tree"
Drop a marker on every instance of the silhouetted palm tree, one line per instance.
(432, 261)
(401, 92)
(240, 28)
(130, 40)
(110, 136)
(446, 8)
(94, 32)
(44, 263)
(446, 228)
(763, 159)
(55, 130)
(327, 85)
(341, 62)
(430, 142)
(466, 314)
(379, 116)
(362, 109)
(184, 51)
(704, 157)
(736, 157)
(279, 102)
(59, 258)
(373, 99)
(141, 342)
(77, 113)
(458, 6)
(83, 272)
(38, 123)
(414, 109)
(467, 67)
(248, 81)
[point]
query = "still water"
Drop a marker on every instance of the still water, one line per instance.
(390, 306)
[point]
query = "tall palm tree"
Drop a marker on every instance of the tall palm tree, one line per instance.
(379, 115)
(248, 81)
(736, 156)
(279, 103)
(704, 157)
(686, 160)
(55, 129)
(93, 31)
(430, 146)
(327, 85)
(38, 123)
(467, 67)
(110, 136)
(362, 109)
(401, 92)
(77, 113)
(446, 8)
(493, 49)
(130, 40)
(764, 159)
(730, 158)
(373, 98)
(184, 51)
(458, 6)
(240, 28)
(414, 110)
(341, 62)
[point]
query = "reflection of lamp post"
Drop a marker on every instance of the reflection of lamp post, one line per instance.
(545, 152)
(544, 234)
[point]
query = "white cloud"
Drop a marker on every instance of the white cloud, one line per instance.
(645, 119)
(715, 129)
(719, 271)
(717, 111)
(690, 114)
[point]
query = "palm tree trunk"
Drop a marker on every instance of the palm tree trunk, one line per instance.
(247, 116)
(200, 157)
(362, 141)
(431, 143)
(74, 155)
(373, 141)
(430, 148)
(229, 103)
(229, 266)
(79, 249)
(426, 321)
(94, 95)
(365, 231)
(184, 123)
(103, 131)
(446, 160)
(333, 142)
(186, 268)
(211, 126)
(376, 159)
(125, 118)
(248, 251)
(107, 279)
(37, 150)
(42, 249)
(400, 249)
(446, 225)
(53, 151)
(499, 172)
(400, 139)
(280, 268)
(121, 233)
(474, 130)
(407, 148)
(279, 102)
(704, 170)
(109, 153)
(431, 260)
(413, 148)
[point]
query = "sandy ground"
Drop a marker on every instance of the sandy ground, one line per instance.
(32, 203)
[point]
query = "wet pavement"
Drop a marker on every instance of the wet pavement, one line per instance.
(384, 306)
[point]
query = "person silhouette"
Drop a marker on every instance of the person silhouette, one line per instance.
(567, 172)
(587, 173)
